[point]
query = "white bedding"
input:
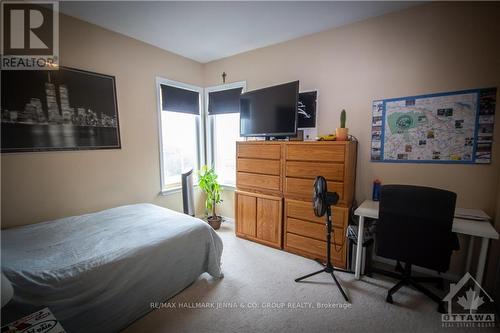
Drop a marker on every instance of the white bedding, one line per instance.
(99, 272)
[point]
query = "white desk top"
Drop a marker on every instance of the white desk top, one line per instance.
(369, 208)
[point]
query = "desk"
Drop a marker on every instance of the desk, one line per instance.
(471, 228)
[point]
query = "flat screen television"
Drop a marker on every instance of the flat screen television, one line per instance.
(270, 111)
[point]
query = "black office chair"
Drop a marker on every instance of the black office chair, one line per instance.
(414, 227)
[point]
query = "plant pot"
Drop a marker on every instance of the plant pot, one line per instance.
(342, 134)
(214, 221)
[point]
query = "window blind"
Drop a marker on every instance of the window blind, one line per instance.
(224, 101)
(180, 100)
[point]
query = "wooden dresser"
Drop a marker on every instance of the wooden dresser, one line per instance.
(273, 200)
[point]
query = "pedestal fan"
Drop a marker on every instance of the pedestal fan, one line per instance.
(322, 202)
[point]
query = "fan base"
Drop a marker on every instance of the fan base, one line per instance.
(329, 269)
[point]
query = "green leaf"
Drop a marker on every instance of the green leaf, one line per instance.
(207, 181)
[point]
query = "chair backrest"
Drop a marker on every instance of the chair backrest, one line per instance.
(415, 224)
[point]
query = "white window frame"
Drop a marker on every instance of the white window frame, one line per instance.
(209, 125)
(200, 127)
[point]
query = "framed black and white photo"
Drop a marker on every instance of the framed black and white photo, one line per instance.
(65, 109)
(307, 109)
(307, 114)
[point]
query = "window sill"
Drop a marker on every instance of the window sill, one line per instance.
(176, 189)
(171, 190)
(179, 189)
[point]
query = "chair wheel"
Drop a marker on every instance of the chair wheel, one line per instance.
(388, 299)
(441, 308)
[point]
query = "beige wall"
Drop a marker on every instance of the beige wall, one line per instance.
(41, 186)
(430, 48)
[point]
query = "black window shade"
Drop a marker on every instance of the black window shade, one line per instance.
(180, 100)
(224, 101)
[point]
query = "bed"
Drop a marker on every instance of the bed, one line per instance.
(99, 272)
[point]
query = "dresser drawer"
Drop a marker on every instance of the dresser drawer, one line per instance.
(303, 210)
(269, 167)
(314, 230)
(253, 180)
(331, 171)
(315, 248)
(315, 152)
(304, 187)
(304, 228)
(263, 151)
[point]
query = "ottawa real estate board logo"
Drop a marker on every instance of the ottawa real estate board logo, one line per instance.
(468, 305)
(30, 35)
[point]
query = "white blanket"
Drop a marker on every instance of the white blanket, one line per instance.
(99, 272)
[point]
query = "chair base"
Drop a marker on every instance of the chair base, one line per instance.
(406, 279)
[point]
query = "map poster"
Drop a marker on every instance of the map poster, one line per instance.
(453, 127)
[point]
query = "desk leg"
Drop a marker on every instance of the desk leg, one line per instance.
(482, 260)
(470, 250)
(359, 248)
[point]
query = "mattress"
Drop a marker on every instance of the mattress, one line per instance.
(99, 272)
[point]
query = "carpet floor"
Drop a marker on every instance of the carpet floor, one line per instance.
(258, 294)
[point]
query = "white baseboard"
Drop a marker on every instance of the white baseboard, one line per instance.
(227, 219)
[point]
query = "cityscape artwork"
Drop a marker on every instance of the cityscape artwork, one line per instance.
(64, 109)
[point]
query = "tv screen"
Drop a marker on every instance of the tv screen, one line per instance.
(270, 111)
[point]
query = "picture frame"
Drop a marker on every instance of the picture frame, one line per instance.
(58, 110)
(307, 114)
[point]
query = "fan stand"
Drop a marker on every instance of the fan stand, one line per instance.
(328, 268)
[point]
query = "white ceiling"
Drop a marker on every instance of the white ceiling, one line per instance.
(206, 31)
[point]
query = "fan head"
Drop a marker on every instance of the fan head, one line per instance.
(322, 199)
(319, 196)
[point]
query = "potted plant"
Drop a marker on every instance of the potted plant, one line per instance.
(342, 133)
(208, 183)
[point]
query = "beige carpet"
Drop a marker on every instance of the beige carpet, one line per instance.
(259, 295)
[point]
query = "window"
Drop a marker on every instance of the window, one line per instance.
(180, 127)
(224, 129)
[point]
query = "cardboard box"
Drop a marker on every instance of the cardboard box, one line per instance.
(38, 322)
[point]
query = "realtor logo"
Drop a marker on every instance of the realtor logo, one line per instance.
(30, 35)
(467, 296)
